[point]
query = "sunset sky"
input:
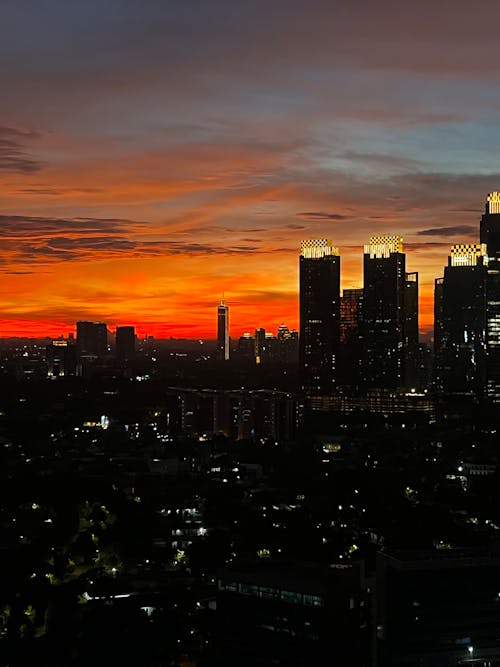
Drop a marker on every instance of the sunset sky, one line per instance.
(157, 153)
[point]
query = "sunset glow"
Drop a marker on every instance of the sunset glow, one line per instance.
(151, 161)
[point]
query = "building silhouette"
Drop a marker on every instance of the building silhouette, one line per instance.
(319, 316)
(490, 236)
(411, 349)
(287, 344)
(460, 322)
(389, 313)
(246, 347)
(437, 608)
(125, 343)
(467, 314)
(222, 353)
(61, 358)
(294, 614)
(92, 339)
(260, 349)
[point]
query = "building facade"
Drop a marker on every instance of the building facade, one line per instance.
(388, 312)
(319, 316)
(125, 343)
(92, 338)
(460, 322)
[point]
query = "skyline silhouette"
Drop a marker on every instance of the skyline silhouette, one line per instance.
(150, 160)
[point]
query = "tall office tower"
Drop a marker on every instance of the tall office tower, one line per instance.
(125, 343)
(384, 270)
(319, 316)
(351, 305)
(490, 236)
(459, 339)
(92, 338)
(222, 332)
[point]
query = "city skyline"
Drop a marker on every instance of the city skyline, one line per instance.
(426, 329)
(150, 160)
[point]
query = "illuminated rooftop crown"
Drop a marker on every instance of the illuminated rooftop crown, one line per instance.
(466, 254)
(383, 246)
(318, 248)
(493, 202)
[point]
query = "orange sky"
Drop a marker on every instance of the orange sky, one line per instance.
(155, 158)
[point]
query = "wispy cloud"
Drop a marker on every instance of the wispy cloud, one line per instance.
(459, 230)
(14, 155)
(322, 215)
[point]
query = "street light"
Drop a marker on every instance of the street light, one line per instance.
(471, 651)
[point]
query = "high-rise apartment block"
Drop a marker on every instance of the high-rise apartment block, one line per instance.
(319, 316)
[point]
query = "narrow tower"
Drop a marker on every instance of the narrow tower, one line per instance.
(490, 235)
(222, 331)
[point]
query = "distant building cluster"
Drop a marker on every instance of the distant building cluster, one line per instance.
(70, 356)
(366, 338)
(260, 347)
(467, 314)
(238, 414)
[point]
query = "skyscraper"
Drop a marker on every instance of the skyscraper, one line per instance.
(460, 322)
(92, 338)
(490, 225)
(125, 343)
(490, 236)
(385, 316)
(222, 353)
(319, 316)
